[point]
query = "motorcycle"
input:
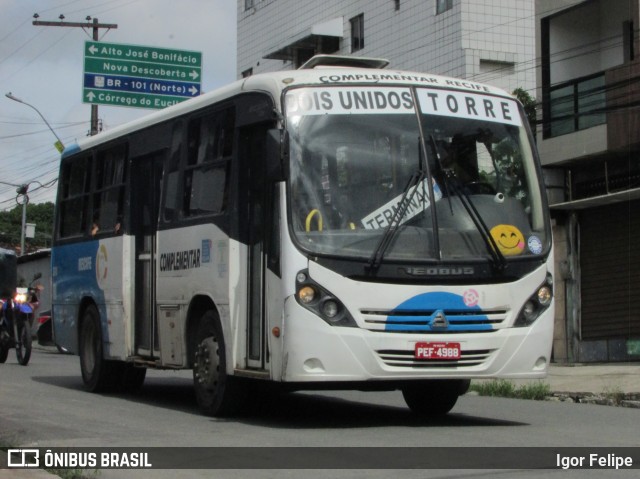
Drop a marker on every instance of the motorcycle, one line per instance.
(16, 321)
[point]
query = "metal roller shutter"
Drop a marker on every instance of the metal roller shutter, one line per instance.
(610, 271)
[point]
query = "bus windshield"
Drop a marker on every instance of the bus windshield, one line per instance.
(451, 172)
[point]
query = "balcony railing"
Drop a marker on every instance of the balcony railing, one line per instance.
(575, 105)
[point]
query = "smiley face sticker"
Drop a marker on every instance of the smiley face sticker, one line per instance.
(509, 239)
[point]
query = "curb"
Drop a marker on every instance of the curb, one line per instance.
(628, 400)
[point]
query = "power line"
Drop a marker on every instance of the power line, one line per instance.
(37, 56)
(20, 135)
(20, 47)
(95, 27)
(13, 31)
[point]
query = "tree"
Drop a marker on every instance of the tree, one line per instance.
(530, 104)
(41, 214)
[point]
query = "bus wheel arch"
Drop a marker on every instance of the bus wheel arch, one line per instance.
(217, 393)
(198, 307)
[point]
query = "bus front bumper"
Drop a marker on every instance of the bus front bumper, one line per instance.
(314, 351)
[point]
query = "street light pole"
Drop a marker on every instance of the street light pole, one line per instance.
(59, 145)
(22, 190)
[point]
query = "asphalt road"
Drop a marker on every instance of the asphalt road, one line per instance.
(44, 405)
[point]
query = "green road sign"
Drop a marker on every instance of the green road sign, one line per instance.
(141, 70)
(137, 100)
(139, 76)
(161, 56)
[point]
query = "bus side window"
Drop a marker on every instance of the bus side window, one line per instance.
(171, 202)
(74, 204)
(208, 157)
(108, 201)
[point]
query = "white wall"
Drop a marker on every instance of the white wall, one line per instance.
(412, 38)
(587, 39)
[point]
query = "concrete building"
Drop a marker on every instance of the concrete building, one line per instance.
(578, 57)
(589, 143)
(491, 41)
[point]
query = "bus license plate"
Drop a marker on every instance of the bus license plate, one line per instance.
(437, 351)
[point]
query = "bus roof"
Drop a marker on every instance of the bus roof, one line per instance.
(366, 76)
(273, 83)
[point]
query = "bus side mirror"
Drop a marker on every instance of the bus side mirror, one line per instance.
(277, 146)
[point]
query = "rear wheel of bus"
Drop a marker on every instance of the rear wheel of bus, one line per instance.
(435, 397)
(98, 374)
(217, 393)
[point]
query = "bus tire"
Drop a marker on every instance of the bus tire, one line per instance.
(98, 374)
(217, 393)
(434, 398)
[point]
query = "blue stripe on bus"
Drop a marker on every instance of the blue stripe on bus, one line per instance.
(427, 328)
(74, 278)
(418, 313)
(70, 150)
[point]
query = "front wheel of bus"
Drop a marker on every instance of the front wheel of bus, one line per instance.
(217, 393)
(434, 398)
(98, 374)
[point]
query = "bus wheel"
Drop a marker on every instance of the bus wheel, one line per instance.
(434, 398)
(98, 374)
(217, 393)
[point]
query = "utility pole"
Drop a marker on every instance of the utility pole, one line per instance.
(22, 191)
(93, 25)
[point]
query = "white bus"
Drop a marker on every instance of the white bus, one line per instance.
(334, 227)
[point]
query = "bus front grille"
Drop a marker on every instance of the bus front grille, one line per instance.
(406, 358)
(425, 321)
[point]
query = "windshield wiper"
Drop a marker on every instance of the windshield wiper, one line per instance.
(451, 183)
(396, 220)
(436, 155)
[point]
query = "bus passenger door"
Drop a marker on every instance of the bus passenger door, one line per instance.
(145, 198)
(258, 228)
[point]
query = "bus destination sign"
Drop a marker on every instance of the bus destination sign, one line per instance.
(139, 76)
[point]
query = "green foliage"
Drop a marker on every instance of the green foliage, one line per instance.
(615, 394)
(529, 103)
(497, 388)
(503, 388)
(77, 473)
(74, 473)
(41, 214)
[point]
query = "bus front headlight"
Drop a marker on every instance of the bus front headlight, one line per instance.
(536, 304)
(306, 294)
(545, 295)
(321, 302)
(330, 308)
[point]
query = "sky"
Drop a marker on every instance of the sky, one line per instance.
(43, 66)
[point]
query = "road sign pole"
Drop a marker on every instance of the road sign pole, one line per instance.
(94, 107)
(95, 26)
